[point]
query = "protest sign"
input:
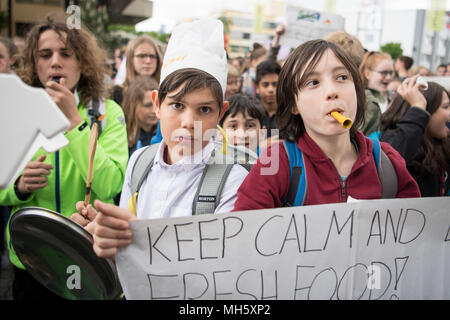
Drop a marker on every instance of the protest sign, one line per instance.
(304, 24)
(375, 249)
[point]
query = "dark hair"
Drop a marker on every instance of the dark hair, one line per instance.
(192, 79)
(257, 52)
(433, 153)
(240, 103)
(407, 61)
(294, 73)
(267, 67)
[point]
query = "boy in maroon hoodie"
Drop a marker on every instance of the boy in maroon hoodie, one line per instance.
(317, 79)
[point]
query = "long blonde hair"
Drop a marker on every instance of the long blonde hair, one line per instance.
(129, 54)
(133, 97)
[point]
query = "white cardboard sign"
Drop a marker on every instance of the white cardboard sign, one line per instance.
(29, 120)
(376, 249)
(305, 24)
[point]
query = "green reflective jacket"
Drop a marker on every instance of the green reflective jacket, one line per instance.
(67, 181)
(372, 113)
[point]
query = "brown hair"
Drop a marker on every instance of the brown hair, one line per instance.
(192, 79)
(91, 58)
(433, 153)
(294, 73)
(370, 60)
(349, 44)
(129, 54)
(133, 97)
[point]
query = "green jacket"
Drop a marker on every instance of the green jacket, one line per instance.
(372, 112)
(67, 181)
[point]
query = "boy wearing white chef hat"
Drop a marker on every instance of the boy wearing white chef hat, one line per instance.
(189, 103)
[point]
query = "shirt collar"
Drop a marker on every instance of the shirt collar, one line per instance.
(201, 157)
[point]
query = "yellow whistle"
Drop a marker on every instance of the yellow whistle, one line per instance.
(343, 121)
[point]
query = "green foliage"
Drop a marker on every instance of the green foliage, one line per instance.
(393, 48)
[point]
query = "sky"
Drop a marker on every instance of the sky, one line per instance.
(169, 12)
(397, 22)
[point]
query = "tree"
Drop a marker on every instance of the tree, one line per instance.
(393, 48)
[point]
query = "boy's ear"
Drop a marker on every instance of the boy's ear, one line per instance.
(155, 100)
(226, 104)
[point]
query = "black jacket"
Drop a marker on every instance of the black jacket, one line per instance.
(406, 139)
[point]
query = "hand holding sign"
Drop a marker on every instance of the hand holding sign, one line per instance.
(112, 230)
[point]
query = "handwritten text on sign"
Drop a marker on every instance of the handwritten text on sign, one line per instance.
(378, 249)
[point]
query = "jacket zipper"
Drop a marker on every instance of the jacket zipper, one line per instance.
(343, 191)
(57, 191)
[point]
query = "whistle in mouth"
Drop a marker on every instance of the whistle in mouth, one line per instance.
(56, 79)
(343, 121)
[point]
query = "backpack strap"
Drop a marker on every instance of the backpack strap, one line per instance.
(216, 174)
(213, 179)
(210, 188)
(142, 166)
(386, 171)
(96, 114)
(297, 176)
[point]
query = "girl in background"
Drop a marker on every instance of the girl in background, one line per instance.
(140, 116)
(377, 71)
(8, 50)
(416, 126)
(143, 58)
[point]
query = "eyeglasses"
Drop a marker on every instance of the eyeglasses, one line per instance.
(234, 82)
(385, 73)
(144, 56)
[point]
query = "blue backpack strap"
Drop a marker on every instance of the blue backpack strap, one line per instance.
(386, 171)
(376, 151)
(297, 176)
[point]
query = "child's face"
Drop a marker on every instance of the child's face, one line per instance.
(380, 77)
(438, 120)
(233, 86)
(145, 59)
(267, 88)
(146, 113)
(5, 60)
(187, 124)
(328, 88)
(242, 129)
(54, 58)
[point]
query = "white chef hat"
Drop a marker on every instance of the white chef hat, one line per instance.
(198, 45)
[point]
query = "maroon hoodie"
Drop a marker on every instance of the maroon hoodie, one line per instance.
(262, 191)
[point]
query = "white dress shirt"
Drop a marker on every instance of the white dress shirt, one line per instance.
(169, 190)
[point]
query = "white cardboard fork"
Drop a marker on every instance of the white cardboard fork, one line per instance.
(29, 120)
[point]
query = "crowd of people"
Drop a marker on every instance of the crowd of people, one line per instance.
(256, 105)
